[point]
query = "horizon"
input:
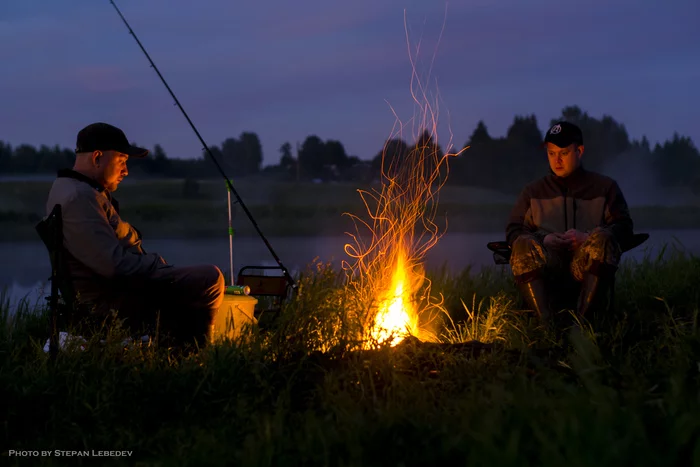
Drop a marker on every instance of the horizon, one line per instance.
(334, 70)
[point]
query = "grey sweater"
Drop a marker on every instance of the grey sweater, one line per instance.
(100, 245)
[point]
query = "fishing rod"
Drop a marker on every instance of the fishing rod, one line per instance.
(206, 148)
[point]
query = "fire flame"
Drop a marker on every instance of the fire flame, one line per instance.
(387, 274)
(397, 315)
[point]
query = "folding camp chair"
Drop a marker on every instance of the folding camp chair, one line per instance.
(64, 308)
(274, 288)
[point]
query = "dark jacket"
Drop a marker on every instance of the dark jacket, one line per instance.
(99, 244)
(583, 201)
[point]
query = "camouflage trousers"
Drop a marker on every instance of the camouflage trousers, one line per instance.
(529, 256)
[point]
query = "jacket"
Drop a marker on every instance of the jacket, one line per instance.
(99, 244)
(583, 201)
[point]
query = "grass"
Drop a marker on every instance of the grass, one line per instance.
(622, 390)
(163, 209)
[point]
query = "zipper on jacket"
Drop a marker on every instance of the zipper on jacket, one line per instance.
(566, 214)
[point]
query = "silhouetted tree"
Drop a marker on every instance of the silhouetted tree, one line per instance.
(644, 145)
(5, 158)
(336, 155)
(242, 156)
(158, 162)
(427, 154)
(26, 159)
(677, 162)
(480, 135)
(251, 155)
(286, 153)
(503, 163)
(287, 161)
(393, 153)
(159, 153)
(525, 132)
(229, 151)
(311, 157)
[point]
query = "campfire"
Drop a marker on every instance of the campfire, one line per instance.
(390, 243)
(397, 315)
(385, 271)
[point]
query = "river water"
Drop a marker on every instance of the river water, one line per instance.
(26, 268)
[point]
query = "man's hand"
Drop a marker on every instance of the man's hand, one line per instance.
(575, 237)
(557, 241)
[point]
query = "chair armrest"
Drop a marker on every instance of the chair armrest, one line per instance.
(501, 252)
(634, 242)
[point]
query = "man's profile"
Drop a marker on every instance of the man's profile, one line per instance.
(571, 221)
(109, 268)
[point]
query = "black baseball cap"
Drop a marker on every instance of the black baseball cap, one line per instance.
(105, 137)
(563, 134)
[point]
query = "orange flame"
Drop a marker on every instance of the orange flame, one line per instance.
(397, 315)
(387, 273)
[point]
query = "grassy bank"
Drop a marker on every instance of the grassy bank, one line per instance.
(169, 209)
(623, 391)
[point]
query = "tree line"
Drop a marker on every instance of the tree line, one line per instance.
(504, 163)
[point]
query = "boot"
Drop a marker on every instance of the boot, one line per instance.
(594, 293)
(535, 294)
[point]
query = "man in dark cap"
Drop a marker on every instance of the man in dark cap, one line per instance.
(109, 268)
(571, 221)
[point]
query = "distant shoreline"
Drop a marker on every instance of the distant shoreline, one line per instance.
(651, 218)
(172, 209)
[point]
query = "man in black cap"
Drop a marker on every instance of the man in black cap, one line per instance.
(109, 268)
(571, 221)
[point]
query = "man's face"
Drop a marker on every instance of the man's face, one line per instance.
(112, 169)
(563, 161)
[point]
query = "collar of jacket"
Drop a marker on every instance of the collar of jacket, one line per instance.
(572, 181)
(70, 173)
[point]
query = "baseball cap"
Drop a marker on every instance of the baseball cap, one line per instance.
(105, 137)
(563, 134)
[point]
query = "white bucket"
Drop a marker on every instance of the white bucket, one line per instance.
(235, 313)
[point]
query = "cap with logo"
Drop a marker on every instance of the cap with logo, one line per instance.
(563, 134)
(105, 137)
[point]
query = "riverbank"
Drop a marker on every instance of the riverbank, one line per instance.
(622, 392)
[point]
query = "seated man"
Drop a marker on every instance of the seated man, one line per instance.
(109, 268)
(572, 221)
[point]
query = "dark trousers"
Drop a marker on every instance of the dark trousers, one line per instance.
(181, 301)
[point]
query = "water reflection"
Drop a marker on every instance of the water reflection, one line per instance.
(27, 275)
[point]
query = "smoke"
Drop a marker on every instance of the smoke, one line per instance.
(635, 173)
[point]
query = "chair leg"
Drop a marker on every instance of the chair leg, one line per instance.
(53, 322)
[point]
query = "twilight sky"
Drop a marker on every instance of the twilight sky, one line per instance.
(286, 69)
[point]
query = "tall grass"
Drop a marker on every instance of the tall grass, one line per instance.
(622, 390)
